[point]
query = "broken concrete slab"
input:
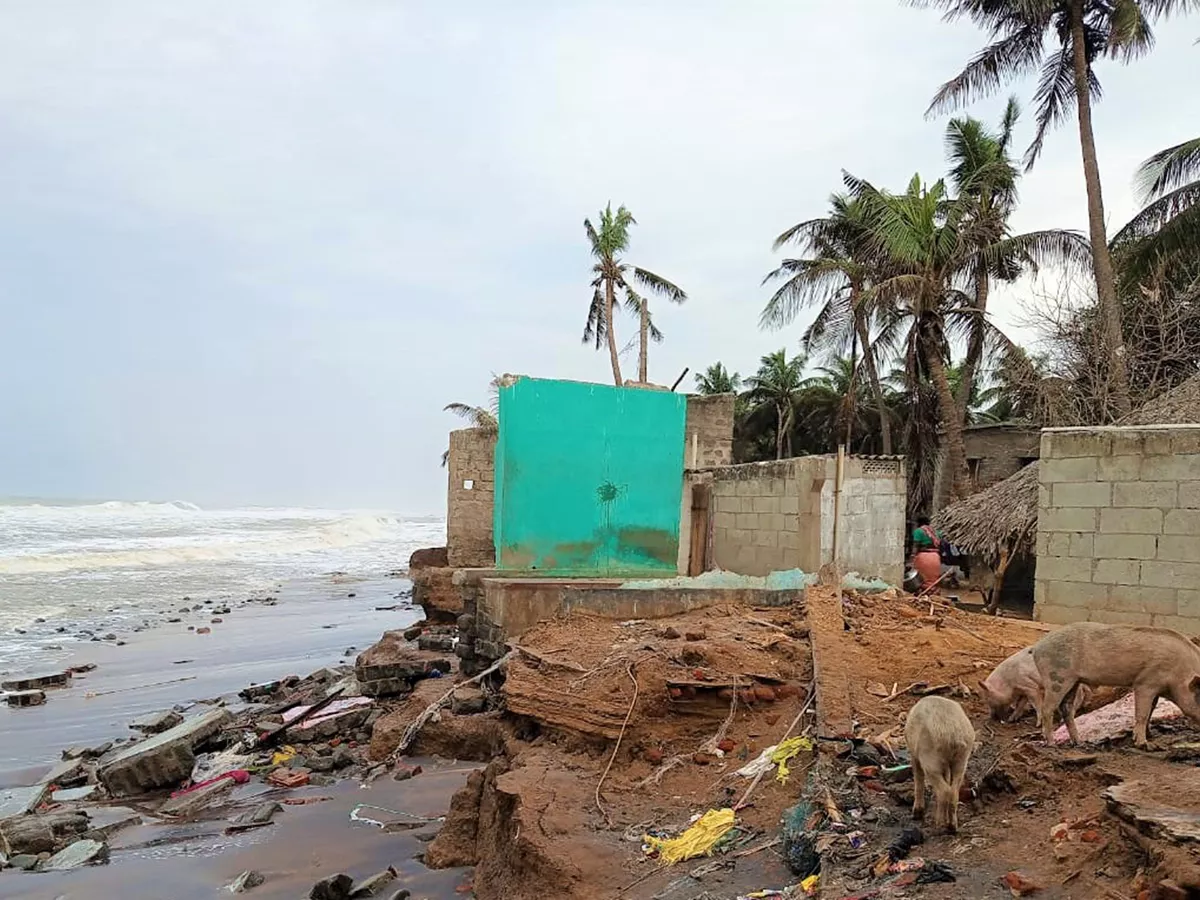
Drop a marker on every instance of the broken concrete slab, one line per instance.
(258, 817)
(1125, 801)
(156, 723)
(195, 800)
(391, 666)
(162, 760)
(369, 887)
(37, 682)
(335, 887)
(74, 795)
(80, 751)
(41, 833)
(19, 699)
(68, 773)
(21, 800)
(1113, 720)
(338, 718)
(108, 820)
(80, 853)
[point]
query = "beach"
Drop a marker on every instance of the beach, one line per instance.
(245, 621)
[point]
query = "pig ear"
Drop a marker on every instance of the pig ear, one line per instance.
(1194, 684)
(985, 690)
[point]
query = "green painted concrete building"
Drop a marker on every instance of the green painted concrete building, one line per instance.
(589, 479)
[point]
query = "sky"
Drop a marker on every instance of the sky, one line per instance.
(248, 251)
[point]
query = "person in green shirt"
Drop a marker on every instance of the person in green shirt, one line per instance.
(927, 557)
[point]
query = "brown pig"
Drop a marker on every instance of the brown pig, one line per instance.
(1155, 662)
(1014, 687)
(940, 739)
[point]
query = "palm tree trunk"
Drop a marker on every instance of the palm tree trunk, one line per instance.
(848, 405)
(778, 431)
(885, 425)
(644, 338)
(952, 431)
(609, 303)
(974, 343)
(1106, 285)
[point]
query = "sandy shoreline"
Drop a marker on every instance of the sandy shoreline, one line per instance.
(314, 624)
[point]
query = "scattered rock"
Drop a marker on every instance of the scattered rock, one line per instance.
(336, 887)
(204, 630)
(343, 757)
(260, 816)
(320, 763)
(26, 861)
(156, 723)
(369, 887)
(80, 853)
(670, 633)
(35, 834)
(195, 800)
(37, 682)
(694, 636)
(701, 759)
(161, 760)
(17, 699)
(244, 882)
(403, 772)
(654, 756)
(1020, 885)
(216, 621)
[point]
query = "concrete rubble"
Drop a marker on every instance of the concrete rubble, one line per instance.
(80, 853)
(391, 667)
(37, 682)
(156, 723)
(162, 760)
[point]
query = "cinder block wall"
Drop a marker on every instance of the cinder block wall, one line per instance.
(709, 427)
(774, 516)
(1119, 526)
(469, 505)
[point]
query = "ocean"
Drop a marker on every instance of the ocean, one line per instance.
(95, 568)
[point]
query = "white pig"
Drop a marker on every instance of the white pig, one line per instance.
(940, 739)
(1155, 662)
(1014, 687)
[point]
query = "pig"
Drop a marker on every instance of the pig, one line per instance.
(1014, 687)
(1155, 662)
(940, 739)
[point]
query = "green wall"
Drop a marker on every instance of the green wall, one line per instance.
(589, 478)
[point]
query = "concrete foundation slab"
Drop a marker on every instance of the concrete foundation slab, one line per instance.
(163, 760)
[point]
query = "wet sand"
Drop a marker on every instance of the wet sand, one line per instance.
(313, 625)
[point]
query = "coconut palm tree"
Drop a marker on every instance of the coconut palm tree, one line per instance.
(1080, 32)
(777, 383)
(716, 379)
(613, 277)
(840, 261)
(931, 242)
(487, 418)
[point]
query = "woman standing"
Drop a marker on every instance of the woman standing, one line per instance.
(927, 551)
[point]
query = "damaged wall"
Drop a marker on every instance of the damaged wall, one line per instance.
(778, 515)
(589, 478)
(469, 502)
(1119, 526)
(708, 431)
(994, 452)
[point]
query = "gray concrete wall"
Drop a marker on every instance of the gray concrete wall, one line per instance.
(994, 452)
(1119, 526)
(470, 499)
(774, 516)
(708, 431)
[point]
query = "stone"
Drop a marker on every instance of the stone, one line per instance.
(195, 800)
(1181, 826)
(17, 699)
(413, 632)
(335, 887)
(320, 763)
(258, 817)
(391, 666)
(41, 833)
(343, 757)
(245, 882)
(80, 853)
(337, 719)
(468, 701)
(75, 795)
(204, 630)
(440, 643)
(369, 887)
(156, 723)
(37, 682)
(118, 819)
(68, 773)
(26, 861)
(257, 692)
(21, 800)
(403, 772)
(161, 760)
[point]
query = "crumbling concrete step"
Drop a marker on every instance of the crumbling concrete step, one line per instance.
(162, 760)
(36, 682)
(25, 698)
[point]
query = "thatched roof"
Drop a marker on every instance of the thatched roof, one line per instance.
(1002, 517)
(1178, 406)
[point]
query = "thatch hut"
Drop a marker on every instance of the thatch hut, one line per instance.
(1178, 406)
(997, 526)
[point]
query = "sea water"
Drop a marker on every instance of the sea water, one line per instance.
(111, 566)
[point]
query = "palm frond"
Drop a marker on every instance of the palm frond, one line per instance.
(1169, 169)
(809, 282)
(658, 285)
(1011, 57)
(1054, 98)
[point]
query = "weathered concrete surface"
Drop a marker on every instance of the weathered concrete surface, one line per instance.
(80, 853)
(156, 723)
(163, 760)
(37, 682)
(1181, 826)
(20, 800)
(391, 666)
(435, 593)
(25, 698)
(40, 833)
(339, 718)
(194, 801)
(470, 498)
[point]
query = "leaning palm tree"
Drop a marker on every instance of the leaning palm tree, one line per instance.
(777, 384)
(1081, 32)
(932, 244)
(613, 277)
(716, 379)
(840, 261)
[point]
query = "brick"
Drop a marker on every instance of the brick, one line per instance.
(1117, 571)
(1124, 546)
(1179, 548)
(1127, 443)
(1041, 543)
(724, 520)
(1184, 467)
(1145, 494)
(789, 505)
(1058, 471)
(1064, 568)
(1188, 625)
(766, 504)
(1059, 544)
(1189, 494)
(1182, 521)
(789, 540)
(1059, 615)
(1082, 545)
(1096, 493)
(775, 522)
(1119, 468)
(746, 522)
(1044, 497)
(1112, 617)
(1171, 574)
(1156, 442)
(1131, 521)
(1185, 440)
(1081, 520)
(1187, 603)
(763, 538)
(1153, 600)
(1059, 444)
(1075, 594)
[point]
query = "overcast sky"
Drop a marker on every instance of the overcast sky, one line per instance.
(249, 250)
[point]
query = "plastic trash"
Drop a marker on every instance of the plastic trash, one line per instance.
(698, 840)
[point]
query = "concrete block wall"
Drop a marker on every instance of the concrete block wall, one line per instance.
(470, 500)
(1119, 526)
(708, 431)
(994, 452)
(774, 516)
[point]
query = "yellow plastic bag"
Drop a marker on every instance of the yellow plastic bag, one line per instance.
(787, 750)
(809, 885)
(282, 755)
(698, 840)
